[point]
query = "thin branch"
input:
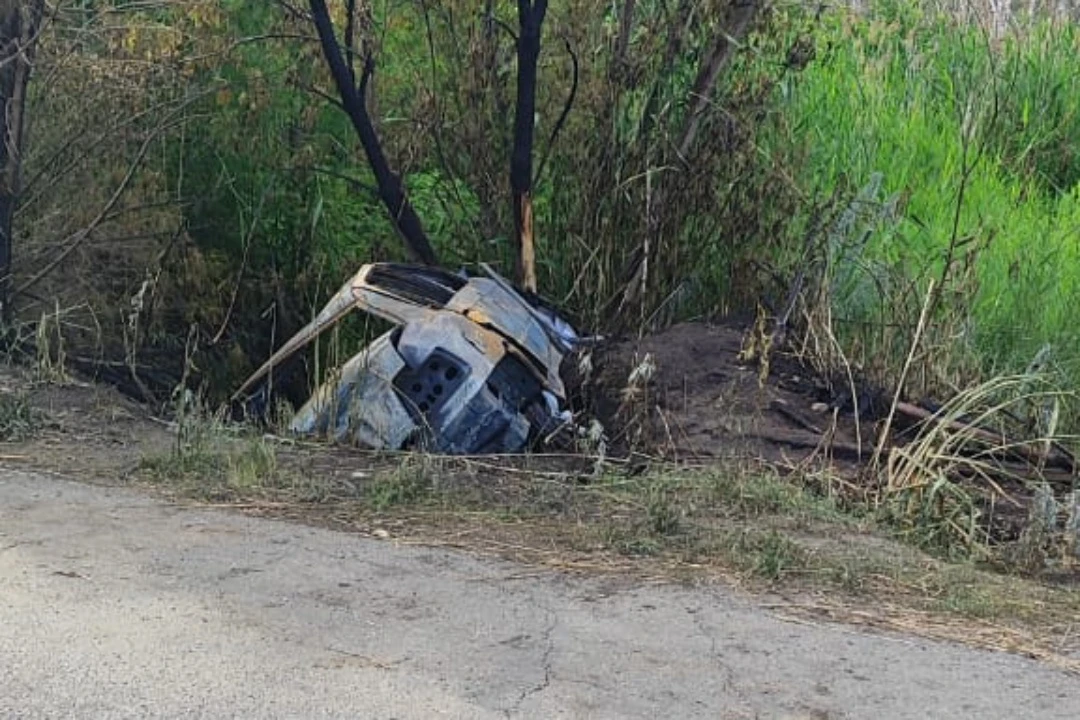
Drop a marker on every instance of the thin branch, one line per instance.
(295, 12)
(336, 102)
(883, 438)
(39, 25)
(63, 149)
(358, 184)
(440, 154)
(79, 237)
(248, 237)
(716, 58)
(503, 26)
(562, 117)
(249, 40)
(83, 234)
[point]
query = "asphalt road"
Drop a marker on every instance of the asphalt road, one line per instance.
(116, 605)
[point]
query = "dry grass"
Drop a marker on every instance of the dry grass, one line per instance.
(744, 526)
(748, 529)
(990, 444)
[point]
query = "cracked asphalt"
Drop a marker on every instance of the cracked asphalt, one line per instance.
(117, 605)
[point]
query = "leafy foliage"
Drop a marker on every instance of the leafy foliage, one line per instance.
(891, 147)
(928, 131)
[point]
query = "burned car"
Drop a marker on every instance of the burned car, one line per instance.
(472, 366)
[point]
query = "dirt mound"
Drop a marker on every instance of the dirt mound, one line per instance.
(687, 393)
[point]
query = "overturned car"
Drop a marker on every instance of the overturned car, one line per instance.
(472, 366)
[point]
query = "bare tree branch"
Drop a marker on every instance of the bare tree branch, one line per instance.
(20, 24)
(562, 117)
(355, 183)
(77, 239)
(70, 144)
(391, 190)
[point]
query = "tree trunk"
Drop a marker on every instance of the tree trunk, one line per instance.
(19, 24)
(530, 20)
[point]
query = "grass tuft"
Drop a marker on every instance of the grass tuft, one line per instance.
(212, 461)
(411, 483)
(18, 417)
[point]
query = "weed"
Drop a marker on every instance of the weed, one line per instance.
(848, 575)
(254, 465)
(218, 467)
(761, 492)
(969, 599)
(662, 510)
(935, 486)
(18, 417)
(197, 466)
(413, 481)
(211, 460)
(770, 555)
(50, 365)
(936, 515)
(640, 545)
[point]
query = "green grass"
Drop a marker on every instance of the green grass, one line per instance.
(926, 106)
(411, 483)
(751, 519)
(18, 417)
(209, 462)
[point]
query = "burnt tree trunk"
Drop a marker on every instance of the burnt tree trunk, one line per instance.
(530, 20)
(19, 24)
(354, 101)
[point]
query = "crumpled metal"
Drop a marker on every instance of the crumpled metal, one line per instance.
(472, 366)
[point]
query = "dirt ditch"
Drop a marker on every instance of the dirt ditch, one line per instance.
(687, 395)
